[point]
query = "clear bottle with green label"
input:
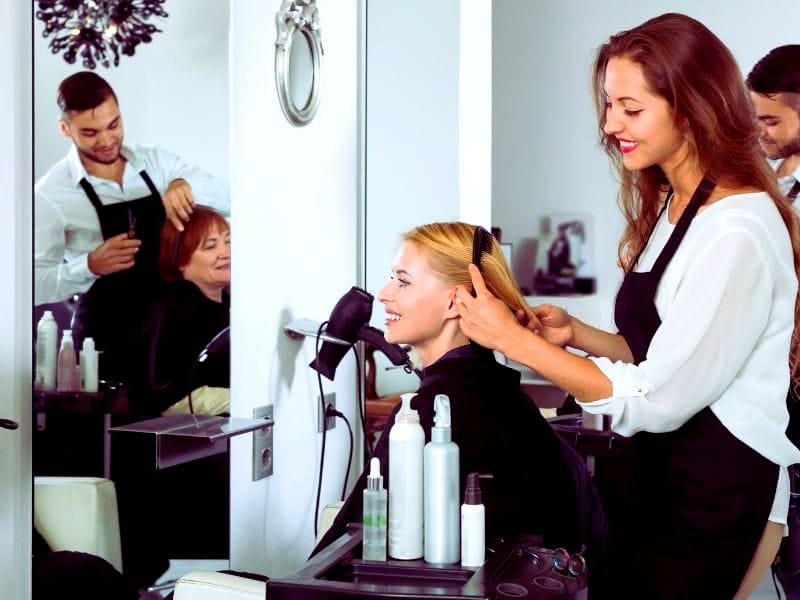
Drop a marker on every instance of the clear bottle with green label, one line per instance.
(374, 531)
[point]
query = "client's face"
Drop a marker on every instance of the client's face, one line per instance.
(416, 301)
(209, 267)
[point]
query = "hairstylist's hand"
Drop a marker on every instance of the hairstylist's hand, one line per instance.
(115, 254)
(555, 325)
(485, 319)
(178, 202)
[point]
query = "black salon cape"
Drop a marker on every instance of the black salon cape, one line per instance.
(540, 485)
(177, 326)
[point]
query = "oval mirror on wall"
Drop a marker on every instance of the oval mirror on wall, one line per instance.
(298, 52)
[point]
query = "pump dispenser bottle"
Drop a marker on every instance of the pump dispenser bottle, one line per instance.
(406, 443)
(374, 520)
(67, 367)
(46, 352)
(441, 489)
(473, 524)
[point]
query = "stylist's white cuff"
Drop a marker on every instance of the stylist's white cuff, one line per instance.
(79, 270)
(627, 380)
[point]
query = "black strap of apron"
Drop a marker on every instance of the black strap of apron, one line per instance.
(794, 191)
(95, 199)
(699, 197)
(635, 262)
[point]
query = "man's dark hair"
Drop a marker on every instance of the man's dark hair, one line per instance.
(83, 91)
(778, 72)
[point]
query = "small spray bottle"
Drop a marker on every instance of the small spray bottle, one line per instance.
(374, 532)
(473, 523)
(67, 374)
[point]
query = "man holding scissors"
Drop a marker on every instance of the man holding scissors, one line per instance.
(98, 218)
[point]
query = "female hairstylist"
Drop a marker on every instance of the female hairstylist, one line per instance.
(706, 311)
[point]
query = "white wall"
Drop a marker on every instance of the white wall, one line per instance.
(173, 92)
(15, 299)
(412, 124)
(545, 153)
(295, 205)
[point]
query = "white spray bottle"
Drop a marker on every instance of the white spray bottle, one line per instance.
(441, 489)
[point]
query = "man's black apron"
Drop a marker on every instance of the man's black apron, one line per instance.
(111, 310)
(701, 496)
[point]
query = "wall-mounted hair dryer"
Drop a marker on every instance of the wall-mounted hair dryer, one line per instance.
(349, 323)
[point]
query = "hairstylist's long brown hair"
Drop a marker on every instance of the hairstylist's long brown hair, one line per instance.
(687, 65)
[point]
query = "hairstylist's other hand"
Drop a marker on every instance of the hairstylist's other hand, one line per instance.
(115, 254)
(555, 324)
(485, 319)
(178, 202)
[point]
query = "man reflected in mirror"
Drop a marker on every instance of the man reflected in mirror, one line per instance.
(774, 85)
(98, 216)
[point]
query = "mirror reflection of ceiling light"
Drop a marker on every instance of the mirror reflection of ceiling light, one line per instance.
(98, 31)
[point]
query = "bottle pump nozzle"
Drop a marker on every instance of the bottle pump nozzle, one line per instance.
(441, 419)
(375, 479)
(441, 405)
(406, 413)
(472, 494)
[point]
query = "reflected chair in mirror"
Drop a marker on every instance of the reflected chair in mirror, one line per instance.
(379, 407)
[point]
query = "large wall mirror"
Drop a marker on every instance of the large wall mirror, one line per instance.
(173, 92)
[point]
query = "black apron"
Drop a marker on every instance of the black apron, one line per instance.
(701, 496)
(111, 311)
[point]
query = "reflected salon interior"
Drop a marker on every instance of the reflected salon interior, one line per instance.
(194, 413)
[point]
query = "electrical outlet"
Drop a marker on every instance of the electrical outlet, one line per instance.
(330, 422)
(262, 445)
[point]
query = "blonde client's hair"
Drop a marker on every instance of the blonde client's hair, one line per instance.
(448, 248)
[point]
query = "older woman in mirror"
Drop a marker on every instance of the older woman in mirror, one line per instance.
(192, 308)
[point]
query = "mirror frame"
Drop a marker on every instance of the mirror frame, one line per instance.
(297, 17)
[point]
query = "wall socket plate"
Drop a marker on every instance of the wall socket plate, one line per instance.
(330, 422)
(263, 456)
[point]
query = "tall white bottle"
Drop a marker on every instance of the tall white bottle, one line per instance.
(46, 352)
(441, 489)
(67, 367)
(406, 444)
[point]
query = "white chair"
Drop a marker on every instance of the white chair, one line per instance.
(79, 514)
(211, 585)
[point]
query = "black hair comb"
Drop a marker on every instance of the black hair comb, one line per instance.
(481, 242)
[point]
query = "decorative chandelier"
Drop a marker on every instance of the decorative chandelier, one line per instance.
(96, 30)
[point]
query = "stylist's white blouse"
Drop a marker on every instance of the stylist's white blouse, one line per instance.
(726, 303)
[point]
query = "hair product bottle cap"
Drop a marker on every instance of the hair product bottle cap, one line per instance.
(407, 414)
(472, 494)
(375, 479)
(441, 405)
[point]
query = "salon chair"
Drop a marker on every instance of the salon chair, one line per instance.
(212, 585)
(79, 514)
(382, 390)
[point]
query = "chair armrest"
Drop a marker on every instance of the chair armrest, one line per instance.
(326, 519)
(212, 585)
(79, 514)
